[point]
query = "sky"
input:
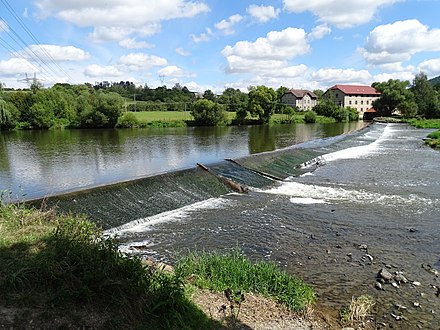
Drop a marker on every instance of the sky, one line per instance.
(217, 44)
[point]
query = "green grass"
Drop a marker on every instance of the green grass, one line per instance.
(61, 267)
(425, 123)
(234, 271)
(433, 139)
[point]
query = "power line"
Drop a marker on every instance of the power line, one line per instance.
(49, 66)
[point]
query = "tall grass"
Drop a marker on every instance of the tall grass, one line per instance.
(236, 272)
(63, 266)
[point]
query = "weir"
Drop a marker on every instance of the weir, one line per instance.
(114, 205)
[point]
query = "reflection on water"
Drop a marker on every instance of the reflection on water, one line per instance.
(38, 163)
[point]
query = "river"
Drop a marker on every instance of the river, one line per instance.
(369, 200)
(34, 164)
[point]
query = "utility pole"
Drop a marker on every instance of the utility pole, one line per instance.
(134, 100)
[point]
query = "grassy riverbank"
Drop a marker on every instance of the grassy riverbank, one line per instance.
(433, 139)
(180, 118)
(59, 271)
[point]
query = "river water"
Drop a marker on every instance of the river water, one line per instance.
(373, 203)
(361, 202)
(34, 164)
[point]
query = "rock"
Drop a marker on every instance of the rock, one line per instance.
(400, 279)
(415, 283)
(369, 256)
(363, 247)
(416, 304)
(378, 286)
(400, 306)
(385, 275)
(394, 284)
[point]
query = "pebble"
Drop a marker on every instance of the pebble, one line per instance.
(394, 284)
(400, 306)
(400, 278)
(363, 247)
(416, 304)
(416, 283)
(378, 286)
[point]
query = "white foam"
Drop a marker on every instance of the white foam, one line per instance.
(145, 224)
(326, 194)
(306, 200)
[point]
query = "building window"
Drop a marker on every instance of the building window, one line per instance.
(368, 102)
(349, 102)
(336, 95)
(356, 102)
(362, 101)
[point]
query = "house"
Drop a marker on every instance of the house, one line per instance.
(358, 97)
(301, 99)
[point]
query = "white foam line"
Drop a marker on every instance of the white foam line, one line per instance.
(145, 224)
(324, 194)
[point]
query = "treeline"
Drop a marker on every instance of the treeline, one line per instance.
(59, 106)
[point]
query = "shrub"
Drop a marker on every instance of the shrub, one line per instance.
(310, 117)
(128, 120)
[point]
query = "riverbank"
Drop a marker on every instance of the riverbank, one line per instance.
(59, 271)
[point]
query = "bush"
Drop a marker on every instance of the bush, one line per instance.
(208, 113)
(128, 120)
(310, 117)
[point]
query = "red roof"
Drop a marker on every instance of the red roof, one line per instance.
(356, 89)
(372, 110)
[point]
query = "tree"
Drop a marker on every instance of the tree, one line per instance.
(209, 95)
(425, 96)
(105, 111)
(207, 113)
(8, 114)
(262, 102)
(318, 93)
(280, 107)
(395, 96)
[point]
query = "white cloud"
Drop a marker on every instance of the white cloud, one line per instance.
(15, 66)
(341, 13)
(54, 53)
(269, 55)
(129, 16)
(95, 70)
(132, 43)
(333, 76)
(3, 26)
(395, 75)
(319, 31)
(430, 67)
(227, 25)
(174, 71)
(262, 13)
(182, 52)
(141, 61)
(203, 37)
(398, 41)
(118, 33)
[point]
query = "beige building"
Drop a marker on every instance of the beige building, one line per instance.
(359, 97)
(301, 99)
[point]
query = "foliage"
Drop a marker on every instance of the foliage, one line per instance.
(8, 115)
(127, 120)
(236, 272)
(310, 117)
(262, 102)
(425, 123)
(234, 101)
(209, 95)
(64, 271)
(426, 97)
(395, 96)
(208, 113)
(105, 112)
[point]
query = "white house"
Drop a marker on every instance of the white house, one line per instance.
(301, 99)
(355, 96)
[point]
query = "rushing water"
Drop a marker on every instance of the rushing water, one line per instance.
(379, 187)
(34, 164)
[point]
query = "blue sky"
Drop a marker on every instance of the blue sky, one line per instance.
(215, 44)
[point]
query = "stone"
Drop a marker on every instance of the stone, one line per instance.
(369, 256)
(378, 286)
(363, 247)
(394, 284)
(400, 279)
(415, 283)
(385, 275)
